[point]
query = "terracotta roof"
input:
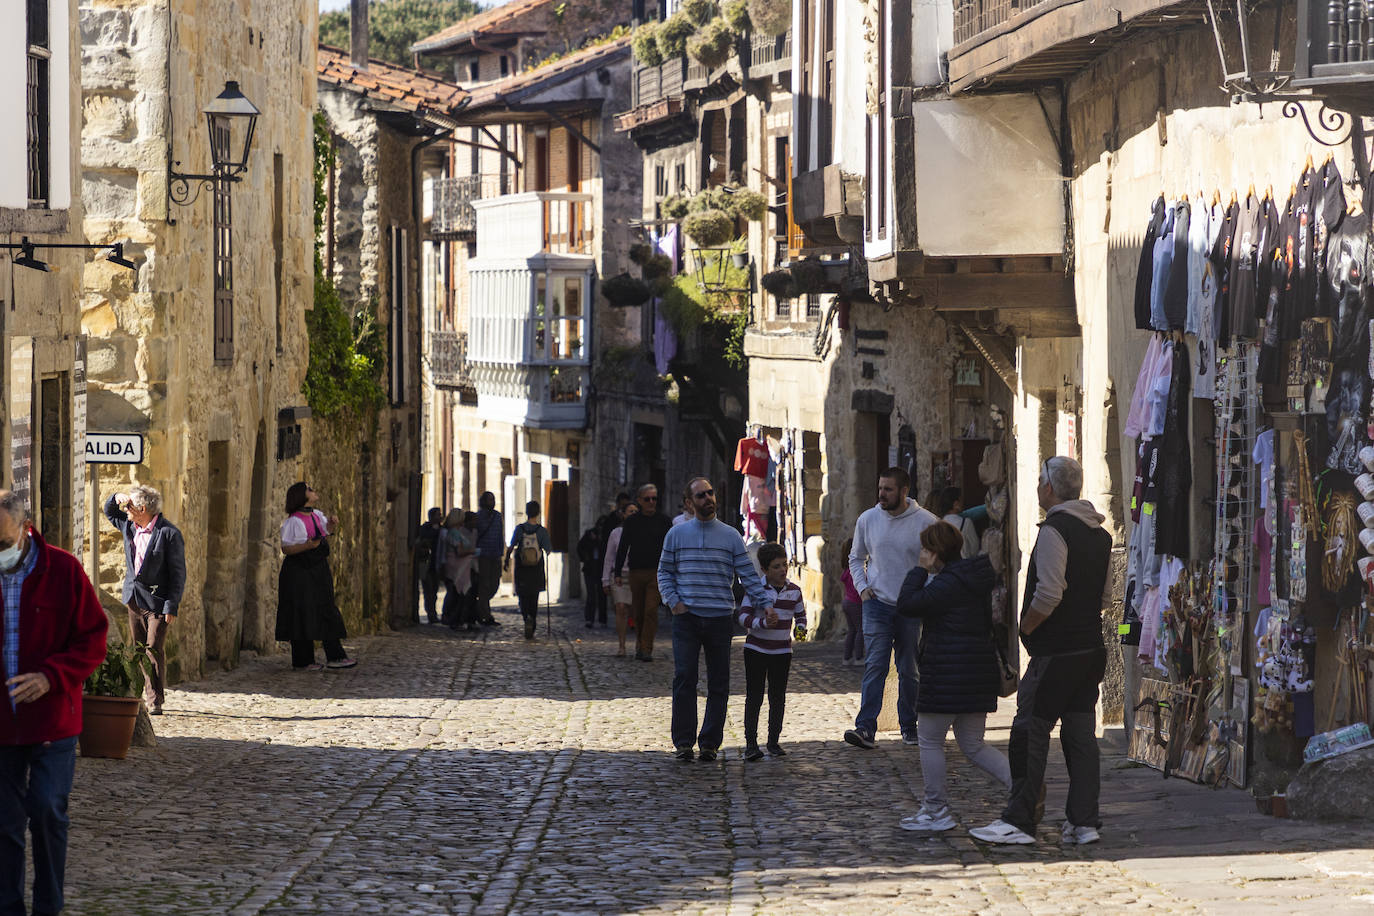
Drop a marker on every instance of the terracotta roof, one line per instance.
(566, 66)
(411, 90)
(503, 18)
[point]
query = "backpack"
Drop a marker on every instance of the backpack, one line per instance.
(530, 554)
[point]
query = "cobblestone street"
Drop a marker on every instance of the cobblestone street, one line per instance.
(451, 774)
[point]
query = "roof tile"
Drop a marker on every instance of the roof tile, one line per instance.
(413, 90)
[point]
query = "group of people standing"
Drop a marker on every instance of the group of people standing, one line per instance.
(926, 597)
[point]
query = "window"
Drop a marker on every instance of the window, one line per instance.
(223, 258)
(660, 181)
(782, 309)
(505, 65)
(473, 71)
(679, 177)
(813, 307)
(39, 57)
(558, 312)
(398, 325)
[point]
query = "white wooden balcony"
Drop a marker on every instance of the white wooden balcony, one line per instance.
(534, 223)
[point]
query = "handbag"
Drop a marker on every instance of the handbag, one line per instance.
(1007, 677)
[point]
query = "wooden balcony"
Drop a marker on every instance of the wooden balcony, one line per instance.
(769, 55)
(534, 223)
(1018, 43)
(1335, 54)
(655, 84)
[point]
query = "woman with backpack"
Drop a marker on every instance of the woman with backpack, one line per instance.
(960, 672)
(529, 545)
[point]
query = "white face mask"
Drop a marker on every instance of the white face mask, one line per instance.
(9, 557)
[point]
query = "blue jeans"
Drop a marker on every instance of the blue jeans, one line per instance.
(693, 633)
(35, 781)
(886, 632)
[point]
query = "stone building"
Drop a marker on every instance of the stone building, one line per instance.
(203, 351)
(381, 121)
(524, 230)
(41, 343)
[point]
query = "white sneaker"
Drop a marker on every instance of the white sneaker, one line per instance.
(1002, 833)
(1078, 836)
(931, 820)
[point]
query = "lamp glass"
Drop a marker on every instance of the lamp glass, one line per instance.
(231, 120)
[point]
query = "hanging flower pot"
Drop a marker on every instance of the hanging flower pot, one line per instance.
(770, 17)
(712, 44)
(624, 290)
(709, 228)
(645, 45)
(739, 259)
(779, 283)
(673, 34)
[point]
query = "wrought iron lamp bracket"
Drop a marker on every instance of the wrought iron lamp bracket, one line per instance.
(183, 189)
(1334, 123)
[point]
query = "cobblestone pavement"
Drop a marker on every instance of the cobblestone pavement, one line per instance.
(451, 774)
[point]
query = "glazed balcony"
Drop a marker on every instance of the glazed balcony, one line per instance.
(533, 223)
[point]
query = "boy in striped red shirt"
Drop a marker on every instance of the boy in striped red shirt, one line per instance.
(768, 650)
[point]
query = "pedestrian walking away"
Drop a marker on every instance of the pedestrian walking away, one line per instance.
(530, 546)
(853, 608)
(54, 632)
(619, 595)
(490, 544)
(636, 565)
(306, 610)
(696, 575)
(154, 578)
(768, 650)
(887, 544)
(957, 663)
(589, 556)
(1068, 582)
(458, 546)
(427, 561)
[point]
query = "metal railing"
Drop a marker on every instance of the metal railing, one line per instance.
(448, 359)
(974, 17)
(454, 217)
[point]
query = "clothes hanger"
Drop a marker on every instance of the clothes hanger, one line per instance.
(1250, 192)
(1307, 163)
(1216, 196)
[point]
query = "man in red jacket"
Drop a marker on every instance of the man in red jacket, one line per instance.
(53, 635)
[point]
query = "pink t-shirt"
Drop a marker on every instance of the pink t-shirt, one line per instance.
(851, 594)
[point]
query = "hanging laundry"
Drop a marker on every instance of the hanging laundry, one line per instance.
(751, 457)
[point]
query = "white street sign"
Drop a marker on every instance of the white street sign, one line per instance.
(114, 448)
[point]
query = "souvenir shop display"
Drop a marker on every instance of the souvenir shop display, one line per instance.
(1262, 307)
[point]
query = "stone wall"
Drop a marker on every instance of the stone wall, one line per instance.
(211, 429)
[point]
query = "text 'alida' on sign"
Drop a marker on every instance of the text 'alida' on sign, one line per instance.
(114, 448)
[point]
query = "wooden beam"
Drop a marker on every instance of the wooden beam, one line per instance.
(971, 292)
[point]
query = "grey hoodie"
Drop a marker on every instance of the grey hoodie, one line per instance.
(1052, 556)
(886, 548)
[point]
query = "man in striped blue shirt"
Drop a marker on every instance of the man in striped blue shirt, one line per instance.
(696, 577)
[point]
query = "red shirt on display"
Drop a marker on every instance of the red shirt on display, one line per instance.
(751, 458)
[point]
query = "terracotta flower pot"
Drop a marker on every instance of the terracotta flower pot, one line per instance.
(107, 725)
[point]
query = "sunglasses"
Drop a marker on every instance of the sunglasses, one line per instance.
(702, 493)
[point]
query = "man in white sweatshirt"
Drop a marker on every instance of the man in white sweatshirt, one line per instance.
(887, 543)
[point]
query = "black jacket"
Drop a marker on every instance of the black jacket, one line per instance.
(957, 660)
(158, 585)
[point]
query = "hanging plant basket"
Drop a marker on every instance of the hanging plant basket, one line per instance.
(779, 283)
(710, 228)
(644, 43)
(750, 205)
(770, 17)
(712, 44)
(736, 12)
(673, 34)
(624, 290)
(675, 206)
(808, 277)
(657, 266)
(699, 12)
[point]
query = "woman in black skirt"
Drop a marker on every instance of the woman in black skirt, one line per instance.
(306, 611)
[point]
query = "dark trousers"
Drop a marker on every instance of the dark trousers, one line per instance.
(595, 608)
(35, 781)
(760, 667)
(693, 635)
(488, 583)
(1063, 689)
(151, 630)
(529, 609)
(429, 584)
(460, 608)
(303, 651)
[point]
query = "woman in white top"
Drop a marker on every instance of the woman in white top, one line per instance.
(306, 610)
(620, 594)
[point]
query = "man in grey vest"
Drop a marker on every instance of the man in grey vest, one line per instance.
(1061, 628)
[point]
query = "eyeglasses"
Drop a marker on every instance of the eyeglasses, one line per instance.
(699, 494)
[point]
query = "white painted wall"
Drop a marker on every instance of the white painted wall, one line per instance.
(987, 178)
(14, 114)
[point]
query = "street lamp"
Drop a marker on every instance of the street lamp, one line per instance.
(231, 120)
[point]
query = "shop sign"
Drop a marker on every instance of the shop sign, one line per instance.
(114, 448)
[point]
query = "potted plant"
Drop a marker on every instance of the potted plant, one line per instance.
(711, 45)
(644, 43)
(110, 704)
(624, 290)
(770, 17)
(709, 228)
(672, 35)
(739, 252)
(779, 283)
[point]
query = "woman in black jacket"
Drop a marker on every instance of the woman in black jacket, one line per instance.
(958, 665)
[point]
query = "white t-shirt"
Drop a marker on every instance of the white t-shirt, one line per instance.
(681, 518)
(294, 531)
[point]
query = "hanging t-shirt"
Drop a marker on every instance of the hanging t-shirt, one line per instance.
(1263, 455)
(1205, 359)
(1244, 277)
(1328, 205)
(1221, 266)
(1144, 277)
(1176, 294)
(751, 457)
(1199, 226)
(1163, 267)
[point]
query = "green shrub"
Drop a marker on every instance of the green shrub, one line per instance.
(710, 228)
(698, 11)
(712, 44)
(770, 17)
(672, 35)
(645, 45)
(736, 12)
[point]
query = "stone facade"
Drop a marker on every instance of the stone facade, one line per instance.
(211, 426)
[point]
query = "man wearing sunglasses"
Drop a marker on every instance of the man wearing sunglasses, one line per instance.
(696, 576)
(636, 563)
(53, 635)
